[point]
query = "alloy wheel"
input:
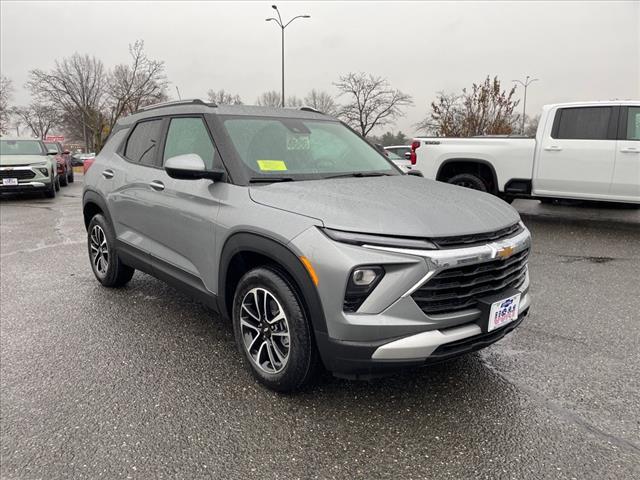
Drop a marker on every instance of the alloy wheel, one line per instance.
(99, 250)
(265, 330)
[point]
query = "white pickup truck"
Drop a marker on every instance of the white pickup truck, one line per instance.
(587, 151)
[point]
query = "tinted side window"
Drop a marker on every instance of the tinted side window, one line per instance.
(143, 142)
(584, 123)
(189, 135)
(633, 123)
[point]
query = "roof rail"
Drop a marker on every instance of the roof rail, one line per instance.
(191, 101)
(310, 109)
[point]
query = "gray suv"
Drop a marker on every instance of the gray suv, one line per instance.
(319, 250)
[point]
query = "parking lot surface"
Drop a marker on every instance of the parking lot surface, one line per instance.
(143, 382)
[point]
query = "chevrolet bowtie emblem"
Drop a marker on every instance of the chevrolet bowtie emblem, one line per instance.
(505, 252)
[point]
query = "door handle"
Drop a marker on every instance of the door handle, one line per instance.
(553, 148)
(107, 173)
(157, 185)
(630, 150)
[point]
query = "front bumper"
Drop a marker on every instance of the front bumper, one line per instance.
(29, 177)
(357, 360)
(390, 331)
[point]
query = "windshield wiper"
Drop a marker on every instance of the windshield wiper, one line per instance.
(270, 179)
(359, 174)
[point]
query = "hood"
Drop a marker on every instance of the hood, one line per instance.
(8, 160)
(400, 205)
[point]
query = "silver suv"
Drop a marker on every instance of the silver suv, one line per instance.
(319, 250)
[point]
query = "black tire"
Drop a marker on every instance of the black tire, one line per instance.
(548, 201)
(51, 190)
(64, 180)
(115, 273)
(70, 179)
(57, 183)
(302, 362)
(469, 180)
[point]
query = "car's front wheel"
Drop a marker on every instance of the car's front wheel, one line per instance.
(106, 266)
(272, 330)
(51, 190)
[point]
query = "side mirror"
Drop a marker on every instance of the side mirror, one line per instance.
(52, 152)
(190, 167)
(407, 155)
(66, 152)
(415, 173)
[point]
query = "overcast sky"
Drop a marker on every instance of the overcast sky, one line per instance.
(578, 50)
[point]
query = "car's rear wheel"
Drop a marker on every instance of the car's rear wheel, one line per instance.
(105, 263)
(272, 330)
(70, 179)
(469, 180)
(64, 179)
(57, 183)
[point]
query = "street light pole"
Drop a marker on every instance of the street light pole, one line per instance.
(525, 84)
(282, 26)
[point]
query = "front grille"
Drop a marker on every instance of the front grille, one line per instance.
(477, 238)
(460, 288)
(19, 174)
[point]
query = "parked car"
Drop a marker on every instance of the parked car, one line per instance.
(585, 151)
(403, 151)
(76, 159)
(308, 238)
(63, 160)
(26, 166)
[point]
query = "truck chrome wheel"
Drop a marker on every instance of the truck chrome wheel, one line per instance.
(265, 330)
(99, 250)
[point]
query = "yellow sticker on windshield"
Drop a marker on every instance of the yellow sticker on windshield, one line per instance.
(272, 165)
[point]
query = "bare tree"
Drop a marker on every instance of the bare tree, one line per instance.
(446, 117)
(269, 99)
(486, 109)
(6, 93)
(321, 101)
(293, 102)
(93, 99)
(76, 86)
(39, 117)
(372, 102)
(221, 97)
(133, 86)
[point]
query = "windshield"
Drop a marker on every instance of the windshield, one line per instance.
(52, 147)
(302, 149)
(20, 147)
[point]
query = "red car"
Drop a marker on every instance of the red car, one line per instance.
(87, 162)
(63, 159)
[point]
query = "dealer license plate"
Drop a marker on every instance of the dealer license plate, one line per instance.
(9, 181)
(503, 312)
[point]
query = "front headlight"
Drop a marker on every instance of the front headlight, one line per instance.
(378, 240)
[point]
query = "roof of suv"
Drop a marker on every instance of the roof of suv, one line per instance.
(198, 106)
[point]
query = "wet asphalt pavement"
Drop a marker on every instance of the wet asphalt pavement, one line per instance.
(145, 383)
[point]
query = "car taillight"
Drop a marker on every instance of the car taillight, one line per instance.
(413, 156)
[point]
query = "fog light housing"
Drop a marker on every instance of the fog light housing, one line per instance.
(44, 171)
(362, 281)
(364, 276)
